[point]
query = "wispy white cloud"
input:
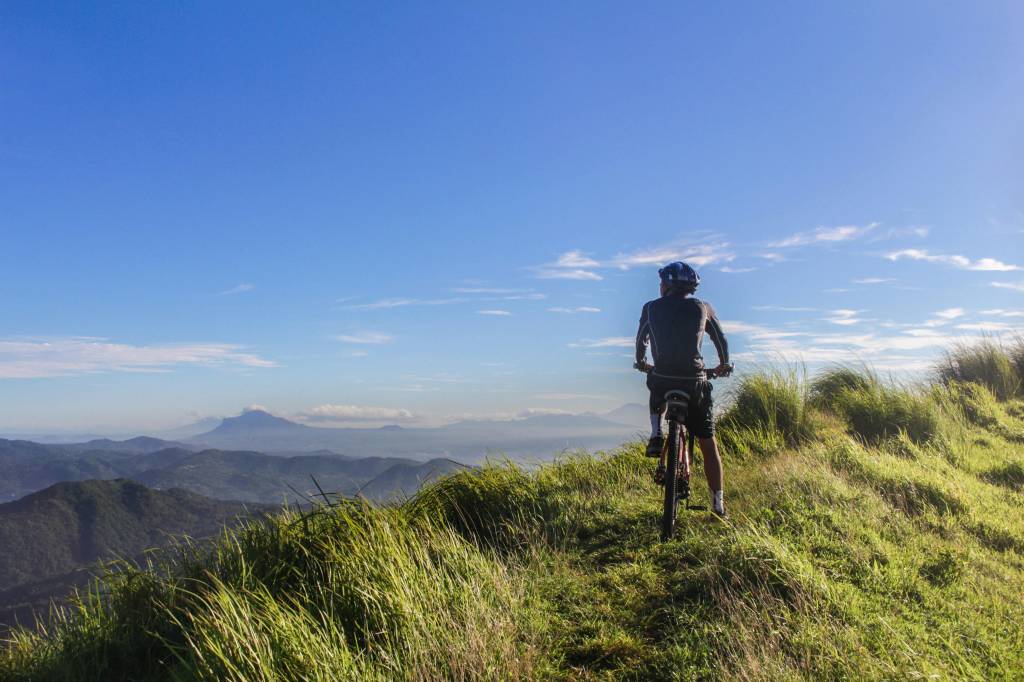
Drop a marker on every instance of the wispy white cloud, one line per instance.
(787, 309)
(575, 259)
(999, 312)
(578, 265)
(956, 261)
(919, 231)
(756, 331)
(697, 255)
(824, 234)
(239, 289)
(985, 326)
(575, 273)
(606, 342)
(354, 413)
(894, 352)
(1013, 286)
(525, 297)
(844, 317)
(572, 311)
(365, 337)
(727, 269)
(492, 295)
(874, 280)
(495, 312)
(572, 265)
(907, 348)
(52, 357)
(944, 317)
(490, 290)
(388, 303)
(538, 412)
(383, 304)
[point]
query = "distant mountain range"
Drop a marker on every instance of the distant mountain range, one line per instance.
(468, 441)
(257, 477)
(26, 467)
(52, 538)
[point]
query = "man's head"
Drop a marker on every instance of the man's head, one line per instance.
(678, 278)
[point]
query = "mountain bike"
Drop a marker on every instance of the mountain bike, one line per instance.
(674, 459)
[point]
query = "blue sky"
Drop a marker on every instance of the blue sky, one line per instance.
(358, 213)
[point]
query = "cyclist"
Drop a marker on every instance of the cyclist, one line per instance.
(674, 325)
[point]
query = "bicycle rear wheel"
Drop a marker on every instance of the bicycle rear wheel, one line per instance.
(668, 517)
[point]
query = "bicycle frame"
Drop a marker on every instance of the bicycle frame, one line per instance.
(677, 487)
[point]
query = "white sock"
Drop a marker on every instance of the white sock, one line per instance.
(718, 500)
(655, 425)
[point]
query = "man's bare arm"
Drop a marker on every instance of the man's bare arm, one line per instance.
(714, 330)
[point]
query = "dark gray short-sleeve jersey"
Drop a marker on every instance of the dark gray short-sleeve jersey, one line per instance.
(674, 326)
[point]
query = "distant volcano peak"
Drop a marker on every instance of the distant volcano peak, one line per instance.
(256, 419)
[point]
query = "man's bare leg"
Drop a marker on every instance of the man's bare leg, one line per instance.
(655, 430)
(713, 471)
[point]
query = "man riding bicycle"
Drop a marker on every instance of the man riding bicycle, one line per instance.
(674, 325)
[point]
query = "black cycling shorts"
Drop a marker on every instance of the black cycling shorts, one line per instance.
(699, 420)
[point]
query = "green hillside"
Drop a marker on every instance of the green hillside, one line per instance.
(260, 478)
(253, 477)
(51, 539)
(876, 531)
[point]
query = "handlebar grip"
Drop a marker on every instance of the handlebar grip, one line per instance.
(724, 372)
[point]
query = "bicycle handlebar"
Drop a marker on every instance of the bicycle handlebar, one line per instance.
(712, 373)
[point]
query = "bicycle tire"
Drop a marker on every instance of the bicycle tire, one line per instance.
(668, 517)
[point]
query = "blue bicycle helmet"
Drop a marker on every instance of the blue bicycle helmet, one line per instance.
(679, 273)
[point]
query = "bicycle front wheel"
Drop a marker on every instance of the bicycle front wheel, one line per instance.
(668, 518)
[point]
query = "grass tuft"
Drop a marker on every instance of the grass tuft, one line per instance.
(768, 411)
(986, 363)
(880, 412)
(828, 385)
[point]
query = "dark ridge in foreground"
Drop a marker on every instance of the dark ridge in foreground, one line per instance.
(53, 538)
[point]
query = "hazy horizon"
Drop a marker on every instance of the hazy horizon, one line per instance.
(356, 215)
(211, 422)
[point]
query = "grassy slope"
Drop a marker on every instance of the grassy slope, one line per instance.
(893, 551)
